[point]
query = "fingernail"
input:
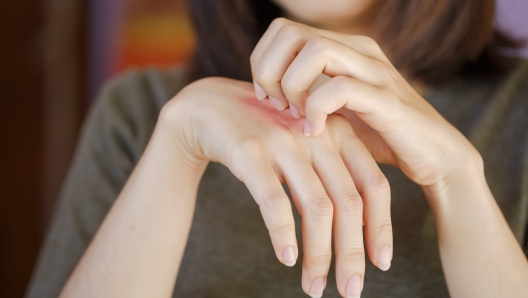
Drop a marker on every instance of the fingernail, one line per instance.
(295, 113)
(259, 92)
(279, 105)
(384, 258)
(353, 287)
(307, 128)
(288, 256)
(317, 288)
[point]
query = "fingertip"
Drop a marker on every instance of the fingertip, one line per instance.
(312, 130)
(307, 128)
(353, 287)
(317, 287)
(288, 256)
(259, 92)
(317, 129)
(278, 104)
(384, 258)
(295, 112)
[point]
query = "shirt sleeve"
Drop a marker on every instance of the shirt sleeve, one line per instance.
(113, 137)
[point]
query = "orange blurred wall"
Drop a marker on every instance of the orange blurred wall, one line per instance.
(154, 33)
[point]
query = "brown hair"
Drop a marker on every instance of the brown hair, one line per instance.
(432, 41)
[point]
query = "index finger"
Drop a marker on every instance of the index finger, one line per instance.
(261, 48)
(378, 107)
(265, 41)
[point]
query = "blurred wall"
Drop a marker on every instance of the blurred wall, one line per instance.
(512, 18)
(128, 34)
(63, 50)
(54, 56)
(42, 83)
(21, 89)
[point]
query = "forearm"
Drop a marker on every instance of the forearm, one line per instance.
(480, 255)
(138, 248)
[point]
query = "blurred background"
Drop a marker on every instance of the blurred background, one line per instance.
(54, 56)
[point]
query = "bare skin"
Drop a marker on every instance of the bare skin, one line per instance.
(388, 121)
(399, 128)
(207, 121)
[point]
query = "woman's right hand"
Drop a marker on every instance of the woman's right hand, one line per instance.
(332, 178)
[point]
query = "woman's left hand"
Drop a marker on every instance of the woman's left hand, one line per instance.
(401, 128)
(396, 124)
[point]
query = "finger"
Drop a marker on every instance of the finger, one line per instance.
(348, 217)
(265, 41)
(374, 189)
(269, 71)
(316, 210)
(378, 107)
(261, 48)
(275, 207)
(332, 58)
(375, 144)
(362, 44)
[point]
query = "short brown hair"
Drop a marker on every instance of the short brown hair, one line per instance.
(432, 41)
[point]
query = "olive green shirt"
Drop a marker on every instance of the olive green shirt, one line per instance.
(229, 253)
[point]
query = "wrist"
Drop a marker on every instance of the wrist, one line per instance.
(464, 179)
(173, 129)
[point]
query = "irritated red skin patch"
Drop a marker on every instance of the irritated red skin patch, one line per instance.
(267, 112)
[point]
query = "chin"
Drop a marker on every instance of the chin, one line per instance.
(324, 13)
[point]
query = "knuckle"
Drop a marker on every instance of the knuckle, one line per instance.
(320, 260)
(282, 228)
(321, 209)
(288, 85)
(253, 59)
(371, 44)
(355, 254)
(367, 40)
(340, 84)
(384, 225)
(352, 204)
(318, 44)
(381, 184)
(279, 22)
(250, 146)
(288, 31)
(275, 199)
(261, 75)
(384, 72)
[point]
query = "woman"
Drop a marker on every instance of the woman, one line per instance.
(370, 107)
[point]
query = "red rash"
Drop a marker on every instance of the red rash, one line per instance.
(267, 113)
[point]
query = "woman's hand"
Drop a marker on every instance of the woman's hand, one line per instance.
(400, 128)
(219, 119)
(394, 122)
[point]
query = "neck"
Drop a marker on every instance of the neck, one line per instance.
(358, 26)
